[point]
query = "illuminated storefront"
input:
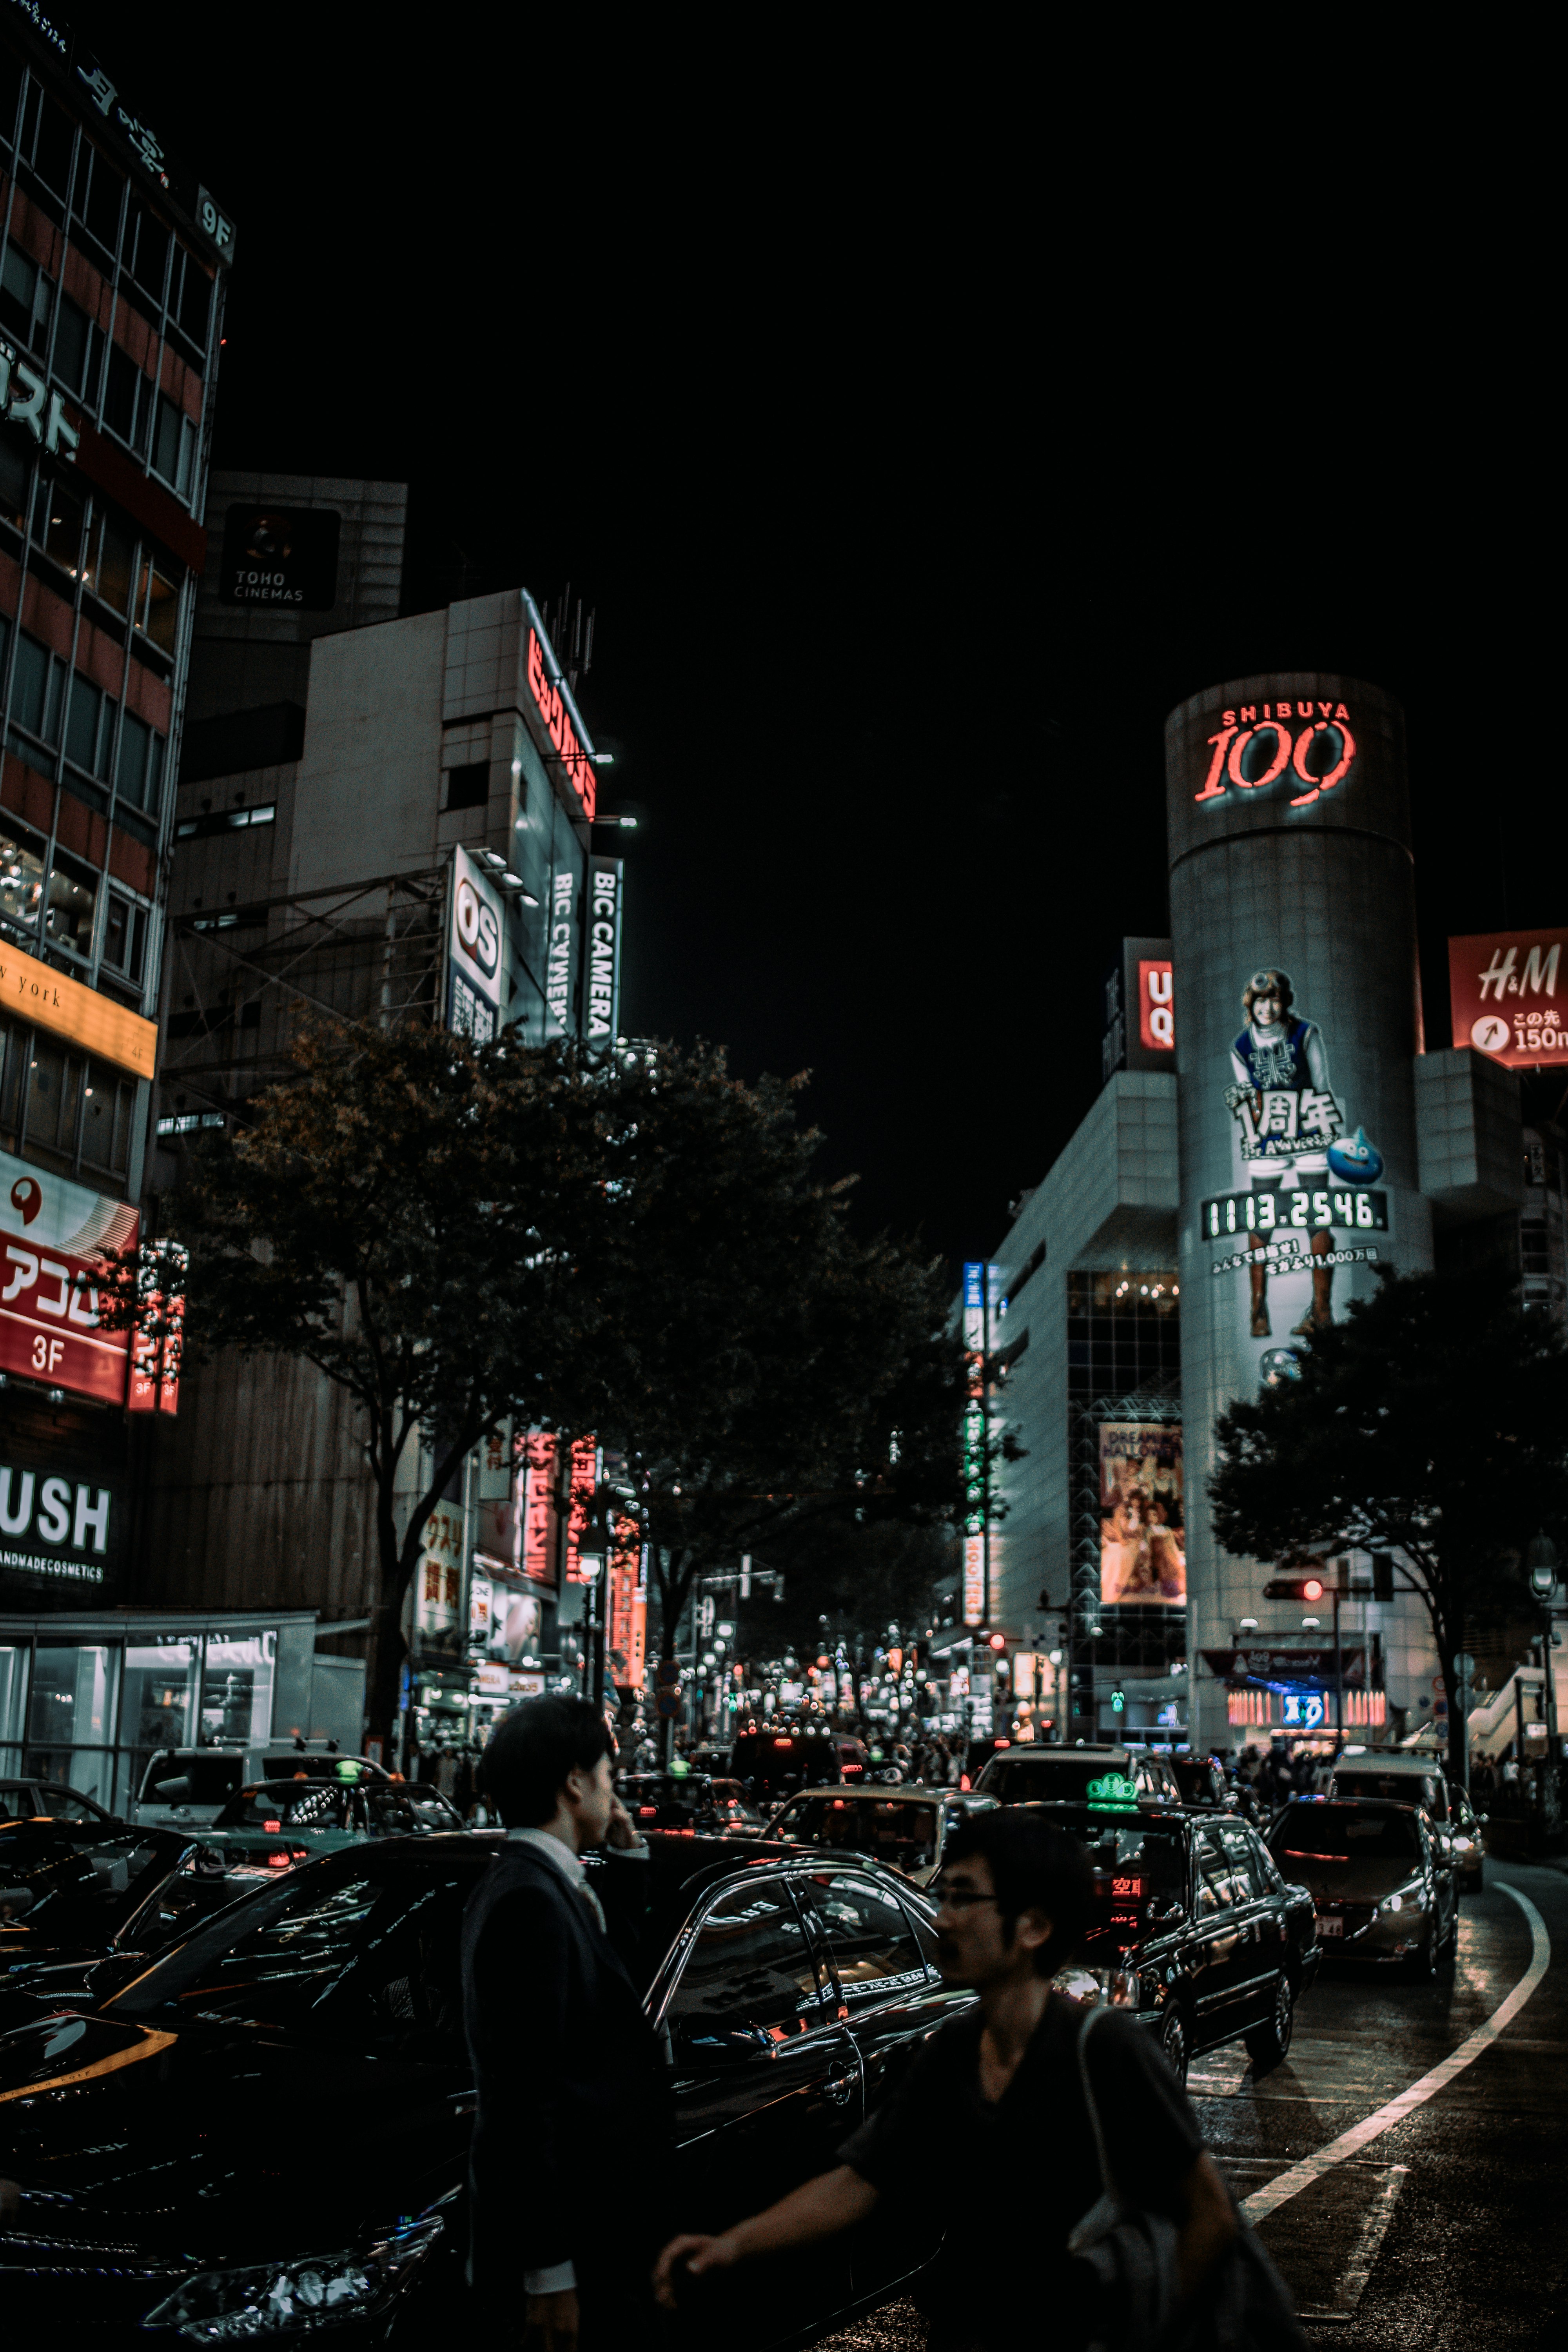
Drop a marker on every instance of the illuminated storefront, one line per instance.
(88, 1696)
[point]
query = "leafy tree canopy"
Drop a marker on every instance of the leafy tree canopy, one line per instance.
(1431, 1425)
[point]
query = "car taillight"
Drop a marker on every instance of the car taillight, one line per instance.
(272, 1828)
(647, 1812)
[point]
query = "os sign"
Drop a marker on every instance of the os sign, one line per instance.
(475, 938)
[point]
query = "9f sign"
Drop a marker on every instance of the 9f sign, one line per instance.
(1253, 753)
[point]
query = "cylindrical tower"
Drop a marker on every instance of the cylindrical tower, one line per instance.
(1297, 1017)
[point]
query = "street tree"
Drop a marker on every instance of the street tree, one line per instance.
(771, 1365)
(426, 1220)
(1432, 1425)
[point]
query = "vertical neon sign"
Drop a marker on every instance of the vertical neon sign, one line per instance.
(975, 1530)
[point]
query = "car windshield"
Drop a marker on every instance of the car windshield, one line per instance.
(1394, 1787)
(79, 1886)
(175, 1779)
(1344, 1833)
(1016, 1779)
(1140, 1880)
(775, 1762)
(903, 1835)
(360, 1945)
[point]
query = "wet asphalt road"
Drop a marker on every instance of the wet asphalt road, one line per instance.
(1450, 2227)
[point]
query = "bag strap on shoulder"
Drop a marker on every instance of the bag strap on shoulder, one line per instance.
(1107, 2185)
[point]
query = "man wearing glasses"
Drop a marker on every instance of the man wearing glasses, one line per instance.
(999, 2090)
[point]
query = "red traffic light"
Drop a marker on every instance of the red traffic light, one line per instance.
(1312, 1590)
(998, 1640)
(1301, 1588)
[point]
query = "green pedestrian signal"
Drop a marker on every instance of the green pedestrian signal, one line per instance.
(1118, 1701)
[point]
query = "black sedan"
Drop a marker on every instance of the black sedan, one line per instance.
(158, 2137)
(1380, 1877)
(74, 1896)
(693, 1802)
(26, 1800)
(1196, 1930)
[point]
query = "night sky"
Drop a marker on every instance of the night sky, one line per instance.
(906, 519)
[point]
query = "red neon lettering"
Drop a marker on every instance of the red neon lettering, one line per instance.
(1276, 767)
(1226, 718)
(1337, 773)
(1211, 786)
(1326, 711)
(1248, 713)
(1341, 712)
(536, 677)
(553, 710)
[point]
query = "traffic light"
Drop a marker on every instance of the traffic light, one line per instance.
(1118, 1700)
(1315, 1585)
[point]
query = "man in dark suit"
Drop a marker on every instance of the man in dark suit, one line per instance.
(566, 2070)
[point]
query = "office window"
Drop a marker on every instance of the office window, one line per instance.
(56, 521)
(54, 1100)
(21, 879)
(71, 905)
(16, 482)
(77, 346)
(126, 404)
(139, 777)
(174, 445)
(157, 607)
(48, 135)
(89, 727)
(190, 300)
(108, 567)
(24, 294)
(10, 96)
(468, 787)
(109, 1101)
(38, 691)
(149, 256)
(99, 189)
(125, 937)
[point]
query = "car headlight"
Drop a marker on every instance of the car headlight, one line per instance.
(235, 2307)
(1412, 1897)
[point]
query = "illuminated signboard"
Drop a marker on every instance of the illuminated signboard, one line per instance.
(51, 1000)
(57, 1529)
(281, 557)
(57, 1236)
(1306, 746)
(1264, 1212)
(1112, 1793)
(157, 1340)
(476, 938)
(1138, 1031)
(975, 1523)
(602, 947)
(553, 719)
(1156, 1013)
(626, 1613)
(1142, 1522)
(558, 958)
(1510, 996)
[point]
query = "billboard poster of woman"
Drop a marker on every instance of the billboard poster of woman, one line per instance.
(1142, 1542)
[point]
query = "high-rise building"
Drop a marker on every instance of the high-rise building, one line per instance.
(1274, 1127)
(112, 260)
(388, 818)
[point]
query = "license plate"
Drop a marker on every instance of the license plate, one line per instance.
(1331, 1927)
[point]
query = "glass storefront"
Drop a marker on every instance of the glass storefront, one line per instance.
(85, 1707)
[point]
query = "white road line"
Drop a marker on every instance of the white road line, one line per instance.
(1312, 2167)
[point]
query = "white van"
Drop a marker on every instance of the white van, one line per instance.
(188, 1787)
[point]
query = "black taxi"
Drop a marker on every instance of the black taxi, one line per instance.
(1196, 1930)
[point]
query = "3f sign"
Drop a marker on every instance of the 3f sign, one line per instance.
(47, 1353)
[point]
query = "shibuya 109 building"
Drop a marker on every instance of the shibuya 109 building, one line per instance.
(1270, 1131)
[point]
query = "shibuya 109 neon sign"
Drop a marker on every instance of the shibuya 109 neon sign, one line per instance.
(1257, 743)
